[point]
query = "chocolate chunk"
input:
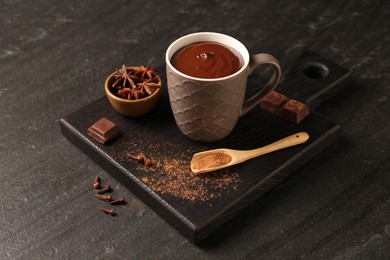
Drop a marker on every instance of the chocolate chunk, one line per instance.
(273, 102)
(103, 130)
(280, 105)
(294, 111)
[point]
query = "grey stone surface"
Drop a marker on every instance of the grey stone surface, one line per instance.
(54, 57)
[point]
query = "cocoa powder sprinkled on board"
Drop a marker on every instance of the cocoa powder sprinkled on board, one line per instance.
(177, 179)
(171, 174)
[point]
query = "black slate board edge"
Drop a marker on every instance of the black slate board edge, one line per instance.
(138, 188)
(268, 183)
(328, 92)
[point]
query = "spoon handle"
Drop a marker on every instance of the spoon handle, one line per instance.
(288, 141)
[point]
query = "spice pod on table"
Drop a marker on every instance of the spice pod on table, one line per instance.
(133, 91)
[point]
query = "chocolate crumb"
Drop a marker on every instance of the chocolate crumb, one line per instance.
(108, 211)
(96, 182)
(105, 189)
(104, 197)
(118, 201)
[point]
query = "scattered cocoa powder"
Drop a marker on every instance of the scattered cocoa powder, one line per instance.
(211, 160)
(170, 173)
(174, 177)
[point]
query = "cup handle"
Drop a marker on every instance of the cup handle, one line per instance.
(257, 60)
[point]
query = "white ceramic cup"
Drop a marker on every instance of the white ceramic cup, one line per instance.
(207, 110)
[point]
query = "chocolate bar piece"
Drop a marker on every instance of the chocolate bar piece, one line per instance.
(294, 111)
(280, 105)
(273, 101)
(103, 130)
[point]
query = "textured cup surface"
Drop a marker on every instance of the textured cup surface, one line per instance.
(205, 111)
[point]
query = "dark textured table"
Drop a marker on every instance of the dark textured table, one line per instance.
(54, 58)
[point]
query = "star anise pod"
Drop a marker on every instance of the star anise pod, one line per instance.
(124, 92)
(146, 71)
(148, 86)
(122, 75)
(135, 82)
(130, 93)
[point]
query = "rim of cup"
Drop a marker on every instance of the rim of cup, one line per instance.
(207, 36)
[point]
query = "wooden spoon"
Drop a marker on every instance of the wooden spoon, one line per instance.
(216, 159)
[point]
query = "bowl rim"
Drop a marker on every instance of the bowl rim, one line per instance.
(109, 93)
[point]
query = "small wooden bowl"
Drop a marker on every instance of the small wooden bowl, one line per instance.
(131, 108)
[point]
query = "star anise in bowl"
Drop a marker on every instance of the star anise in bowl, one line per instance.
(135, 82)
(133, 91)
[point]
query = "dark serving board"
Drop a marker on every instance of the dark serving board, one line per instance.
(197, 205)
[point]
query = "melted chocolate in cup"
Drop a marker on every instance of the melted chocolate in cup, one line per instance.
(207, 60)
